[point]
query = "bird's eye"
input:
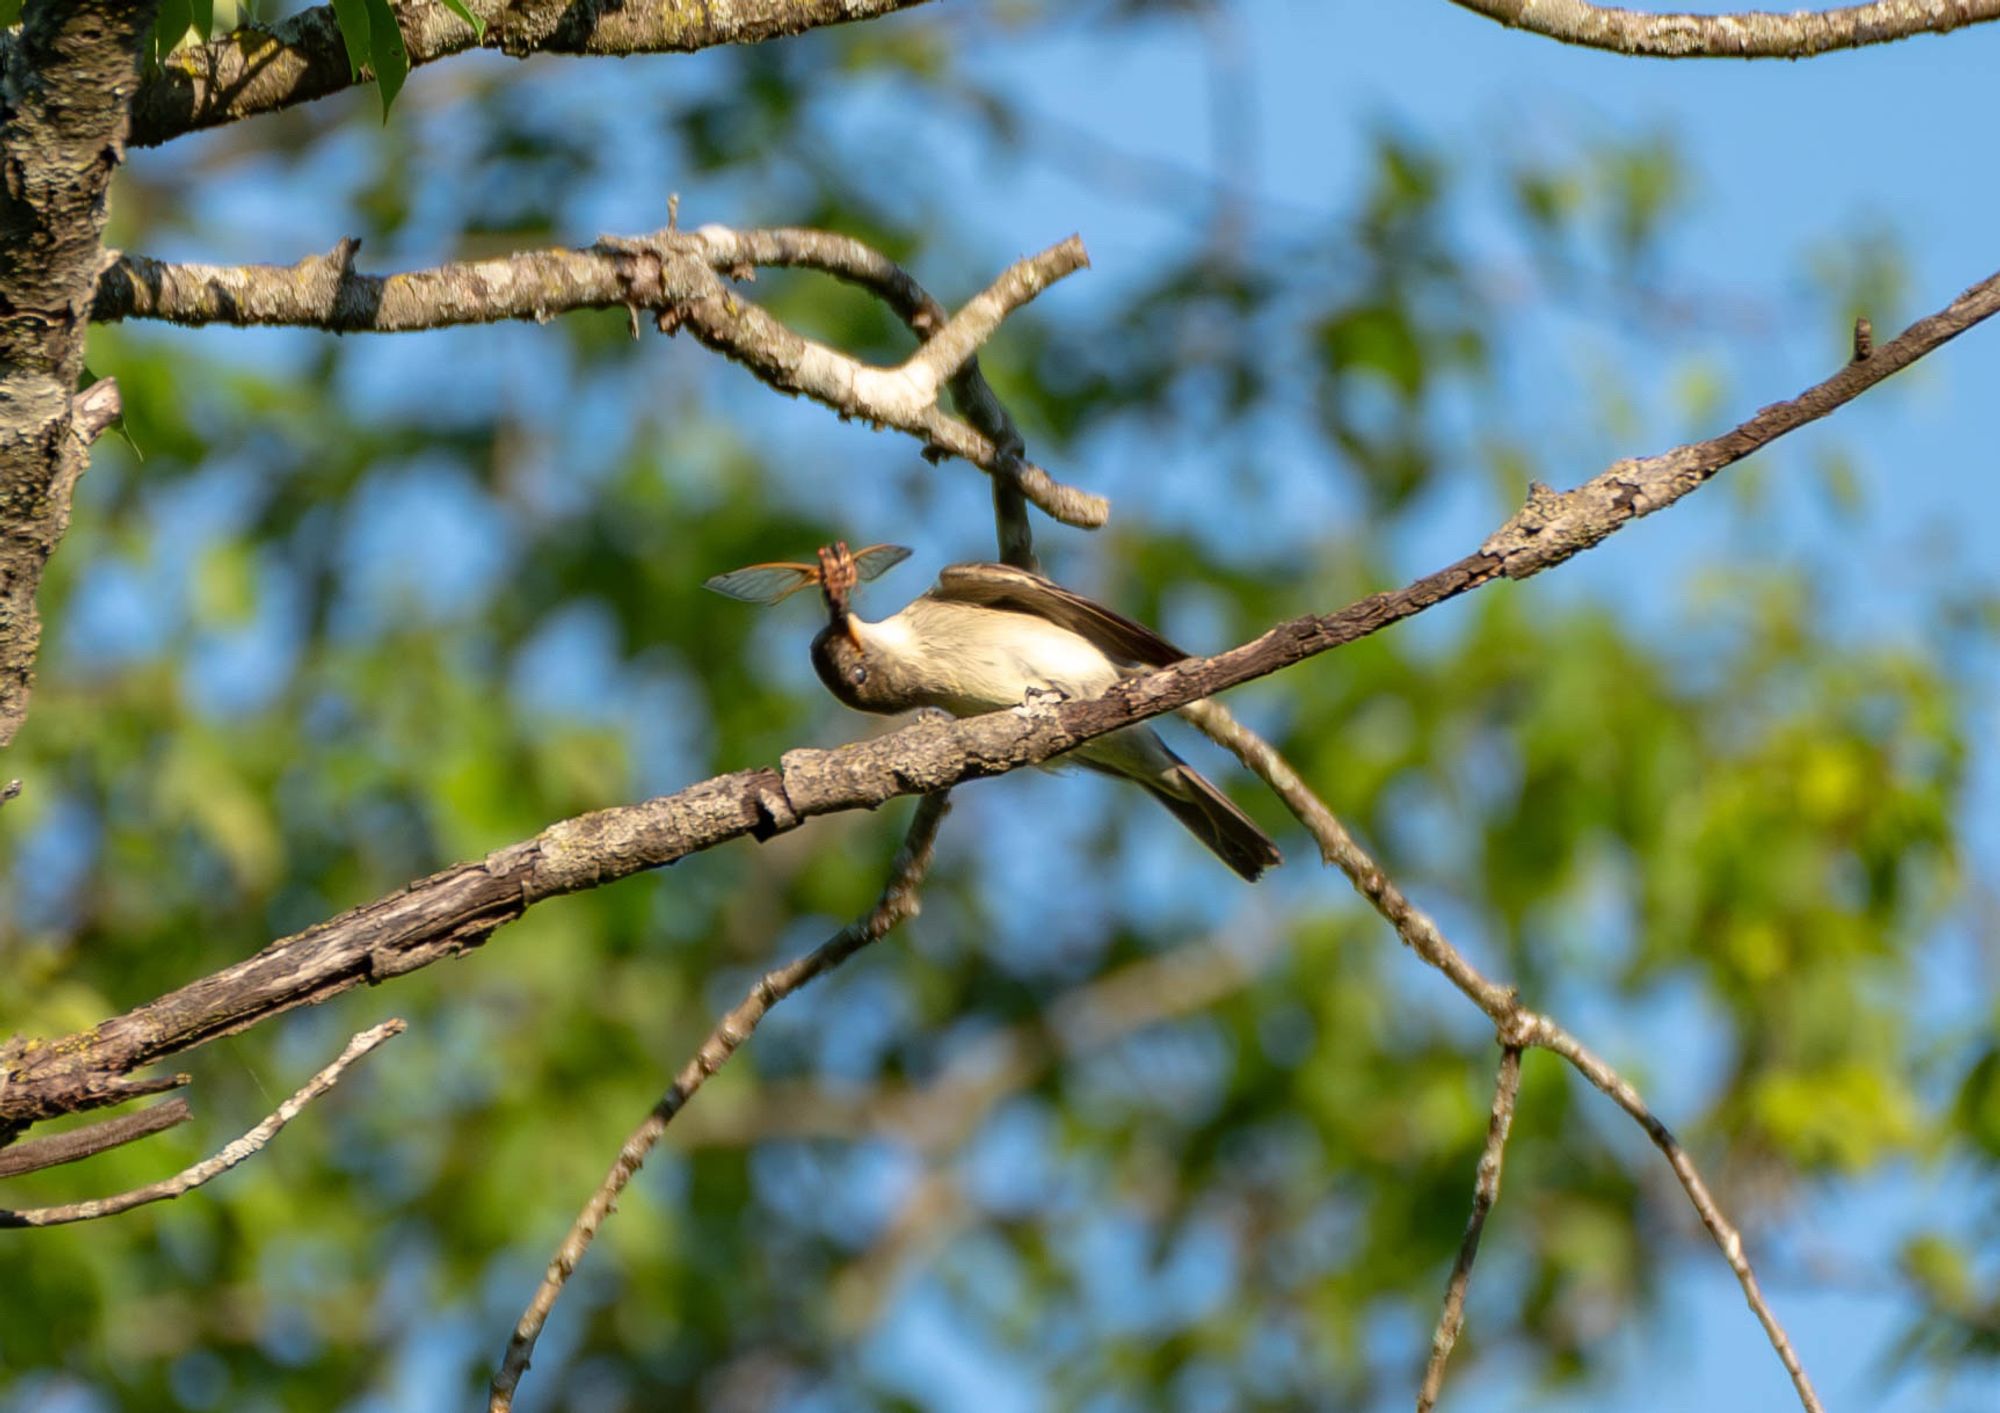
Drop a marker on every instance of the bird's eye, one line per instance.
(857, 674)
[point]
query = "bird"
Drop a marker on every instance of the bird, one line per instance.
(987, 637)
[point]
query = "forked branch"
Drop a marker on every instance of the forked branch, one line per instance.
(209, 1169)
(676, 276)
(1518, 1026)
(846, 258)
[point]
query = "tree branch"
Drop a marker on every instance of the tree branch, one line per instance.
(456, 910)
(256, 70)
(1518, 1026)
(1485, 1192)
(1747, 34)
(849, 260)
(671, 273)
(87, 1142)
(209, 1168)
(897, 902)
(1531, 1029)
(65, 77)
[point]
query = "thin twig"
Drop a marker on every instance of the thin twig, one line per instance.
(1485, 1192)
(899, 900)
(209, 1168)
(1518, 1026)
(1539, 1030)
(34, 1154)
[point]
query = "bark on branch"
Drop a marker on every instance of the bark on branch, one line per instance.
(457, 910)
(1747, 34)
(65, 78)
(38, 1153)
(679, 278)
(848, 259)
(257, 70)
(208, 1169)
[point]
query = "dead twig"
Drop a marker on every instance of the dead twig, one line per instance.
(899, 900)
(34, 1154)
(209, 1168)
(1485, 1192)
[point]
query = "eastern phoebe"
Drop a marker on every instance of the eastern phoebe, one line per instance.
(985, 638)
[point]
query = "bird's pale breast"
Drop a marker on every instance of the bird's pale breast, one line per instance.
(982, 659)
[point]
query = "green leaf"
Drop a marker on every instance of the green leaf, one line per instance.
(169, 27)
(10, 12)
(388, 54)
(201, 14)
(459, 8)
(352, 17)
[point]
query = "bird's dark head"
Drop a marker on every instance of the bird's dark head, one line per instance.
(842, 663)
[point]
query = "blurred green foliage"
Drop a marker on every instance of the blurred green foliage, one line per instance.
(368, 606)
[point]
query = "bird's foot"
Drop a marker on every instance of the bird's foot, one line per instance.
(1042, 699)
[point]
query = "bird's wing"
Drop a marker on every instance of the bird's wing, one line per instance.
(1014, 590)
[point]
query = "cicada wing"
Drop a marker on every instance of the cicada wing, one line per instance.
(877, 560)
(763, 583)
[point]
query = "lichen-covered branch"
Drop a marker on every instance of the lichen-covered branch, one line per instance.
(1745, 34)
(848, 259)
(676, 276)
(898, 902)
(209, 1169)
(259, 70)
(64, 78)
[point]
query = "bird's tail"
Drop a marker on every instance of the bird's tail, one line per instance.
(1214, 819)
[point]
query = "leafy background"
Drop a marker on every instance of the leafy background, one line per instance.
(1102, 1129)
